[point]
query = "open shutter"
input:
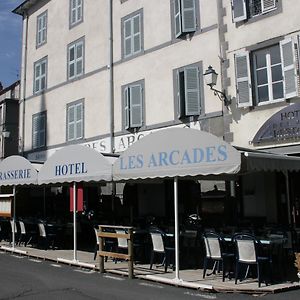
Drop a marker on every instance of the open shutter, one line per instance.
(239, 11)
(243, 83)
(177, 18)
(126, 108)
(289, 68)
(268, 5)
(136, 107)
(188, 15)
(192, 93)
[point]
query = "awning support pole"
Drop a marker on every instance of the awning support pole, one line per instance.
(14, 219)
(288, 200)
(176, 229)
(74, 221)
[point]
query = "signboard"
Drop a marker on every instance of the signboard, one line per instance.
(5, 205)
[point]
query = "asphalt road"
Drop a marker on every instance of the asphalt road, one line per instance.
(25, 278)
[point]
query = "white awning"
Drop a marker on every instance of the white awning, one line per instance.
(17, 170)
(177, 152)
(75, 163)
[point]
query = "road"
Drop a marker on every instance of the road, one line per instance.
(25, 278)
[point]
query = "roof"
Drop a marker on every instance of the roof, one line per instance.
(24, 6)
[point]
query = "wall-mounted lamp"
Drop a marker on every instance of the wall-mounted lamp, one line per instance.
(210, 77)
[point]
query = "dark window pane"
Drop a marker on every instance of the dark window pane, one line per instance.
(278, 90)
(263, 94)
(275, 55)
(276, 73)
(260, 58)
(262, 76)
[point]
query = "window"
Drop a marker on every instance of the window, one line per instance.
(132, 34)
(40, 75)
(245, 9)
(75, 59)
(133, 105)
(184, 16)
(188, 96)
(76, 12)
(41, 29)
(266, 75)
(39, 130)
(75, 120)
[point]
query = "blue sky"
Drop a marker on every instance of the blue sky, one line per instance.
(10, 42)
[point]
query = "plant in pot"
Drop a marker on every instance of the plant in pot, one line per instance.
(297, 263)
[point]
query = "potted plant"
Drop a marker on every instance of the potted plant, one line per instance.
(297, 263)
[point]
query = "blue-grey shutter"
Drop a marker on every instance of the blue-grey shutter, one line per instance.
(71, 122)
(136, 24)
(127, 29)
(177, 18)
(79, 121)
(35, 132)
(289, 69)
(268, 5)
(42, 130)
(243, 83)
(239, 11)
(188, 8)
(37, 75)
(136, 106)
(192, 92)
(126, 108)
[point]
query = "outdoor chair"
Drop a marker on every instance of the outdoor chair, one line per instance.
(215, 253)
(248, 254)
(13, 226)
(45, 238)
(158, 247)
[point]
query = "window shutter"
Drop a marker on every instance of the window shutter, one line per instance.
(79, 121)
(188, 15)
(177, 18)
(289, 67)
(243, 83)
(268, 5)
(34, 132)
(71, 122)
(192, 93)
(136, 113)
(126, 108)
(239, 11)
(42, 131)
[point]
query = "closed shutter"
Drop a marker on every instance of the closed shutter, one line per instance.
(42, 130)
(289, 67)
(72, 61)
(37, 76)
(34, 132)
(177, 18)
(243, 83)
(136, 23)
(71, 123)
(127, 37)
(136, 107)
(188, 15)
(79, 121)
(79, 59)
(268, 5)
(192, 93)
(44, 28)
(239, 11)
(126, 108)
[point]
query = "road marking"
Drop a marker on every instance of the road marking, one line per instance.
(204, 296)
(151, 285)
(84, 271)
(35, 260)
(55, 265)
(113, 277)
(17, 256)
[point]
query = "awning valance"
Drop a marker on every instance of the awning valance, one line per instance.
(176, 152)
(75, 163)
(17, 170)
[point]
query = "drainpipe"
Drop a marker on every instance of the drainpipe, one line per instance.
(111, 78)
(24, 66)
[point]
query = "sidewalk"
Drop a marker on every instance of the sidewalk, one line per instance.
(188, 278)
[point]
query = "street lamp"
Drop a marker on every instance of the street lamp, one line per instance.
(211, 77)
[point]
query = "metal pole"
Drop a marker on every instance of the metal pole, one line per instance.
(176, 229)
(74, 221)
(14, 217)
(288, 200)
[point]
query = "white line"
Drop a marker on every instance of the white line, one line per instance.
(16, 256)
(35, 260)
(151, 285)
(55, 265)
(84, 271)
(204, 296)
(112, 277)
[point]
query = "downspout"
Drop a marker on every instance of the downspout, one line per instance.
(24, 59)
(111, 78)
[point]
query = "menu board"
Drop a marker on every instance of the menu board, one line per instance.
(5, 205)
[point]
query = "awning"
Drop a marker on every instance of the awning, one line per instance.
(17, 170)
(177, 152)
(260, 161)
(75, 163)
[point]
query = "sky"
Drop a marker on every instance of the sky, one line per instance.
(10, 42)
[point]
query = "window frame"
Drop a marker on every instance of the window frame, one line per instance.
(130, 18)
(41, 30)
(38, 132)
(41, 76)
(74, 105)
(124, 89)
(71, 9)
(75, 61)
